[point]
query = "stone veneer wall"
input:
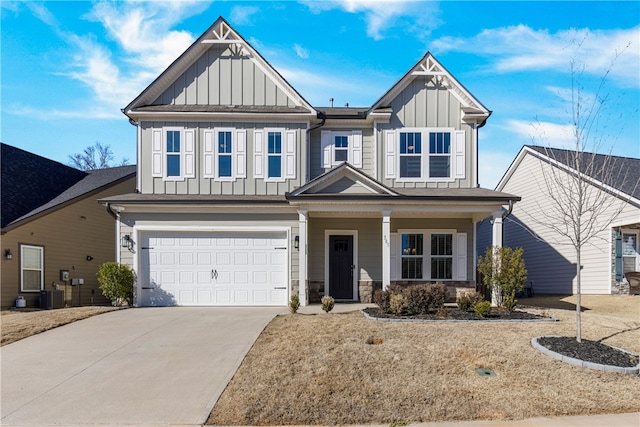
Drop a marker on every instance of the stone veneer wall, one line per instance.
(454, 288)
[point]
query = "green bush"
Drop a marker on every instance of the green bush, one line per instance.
(509, 302)
(327, 303)
(294, 304)
(116, 282)
(482, 309)
(503, 271)
(467, 300)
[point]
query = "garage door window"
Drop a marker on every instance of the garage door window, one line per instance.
(31, 268)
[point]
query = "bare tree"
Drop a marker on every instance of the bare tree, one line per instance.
(98, 156)
(577, 181)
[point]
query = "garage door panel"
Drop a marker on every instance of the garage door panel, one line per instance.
(215, 269)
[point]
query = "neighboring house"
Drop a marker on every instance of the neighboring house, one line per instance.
(52, 222)
(551, 266)
(248, 194)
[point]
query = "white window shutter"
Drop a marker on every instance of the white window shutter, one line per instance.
(156, 152)
(209, 154)
(189, 153)
(241, 153)
(461, 256)
(390, 154)
(355, 146)
(290, 154)
(459, 155)
(258, 154)
(325, 143)
(394, 255)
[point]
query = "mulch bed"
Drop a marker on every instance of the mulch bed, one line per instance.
(589, 351)
(454, 313)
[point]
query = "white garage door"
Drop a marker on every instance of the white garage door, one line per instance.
(213, 269)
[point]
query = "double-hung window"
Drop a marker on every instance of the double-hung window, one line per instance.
(427, 255)
(274, 155)
(439, 154)
(410, 154)
(172, 139)
(31, 268)
(341, 148)
(225, 154)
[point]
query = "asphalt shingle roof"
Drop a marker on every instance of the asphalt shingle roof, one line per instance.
(32, 184)
(621, 173)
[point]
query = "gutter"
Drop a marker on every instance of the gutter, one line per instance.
(323, 118)
(111, 212)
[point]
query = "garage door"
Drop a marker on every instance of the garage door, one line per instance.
(214, 269)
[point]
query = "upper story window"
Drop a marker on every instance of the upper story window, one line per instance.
(173, 153)
(440, 158)
(341, 146)
(274, 154)
(31, 268)
(225, 154)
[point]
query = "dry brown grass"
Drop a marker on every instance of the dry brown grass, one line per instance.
(320, 369)
(16, 325)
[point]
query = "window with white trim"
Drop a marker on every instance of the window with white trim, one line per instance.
(224, 154)
(429, 255)
(31, 268)
(425, 154)
(173, 153)
(274, 154)
(339, 146)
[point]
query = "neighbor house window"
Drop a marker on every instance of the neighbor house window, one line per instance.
(410, 154)
(426, 255)
(225, 154)
(274, 154)
(439, 155)
(341, 148)
(31, 268)
(173, 153)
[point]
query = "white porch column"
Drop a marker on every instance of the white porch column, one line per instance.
(302, 258)
(497, 229)
(386, 249)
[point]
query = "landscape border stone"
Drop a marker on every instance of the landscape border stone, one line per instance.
(390, 319)
(635, 370)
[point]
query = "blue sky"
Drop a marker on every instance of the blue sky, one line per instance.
(68, 68)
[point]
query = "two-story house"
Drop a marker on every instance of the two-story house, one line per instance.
(248, 194)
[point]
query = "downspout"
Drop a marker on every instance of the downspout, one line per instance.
(111, 212)
(504, 216)
(323, 118)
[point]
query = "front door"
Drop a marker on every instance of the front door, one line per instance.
(341, 267)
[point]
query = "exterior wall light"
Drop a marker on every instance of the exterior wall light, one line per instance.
(296, 242)
(126, 242)
(8, 255)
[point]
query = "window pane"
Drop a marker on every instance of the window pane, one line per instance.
(410, 143)
(410, 166)
(412, 244)
(341, 141)
(275, 142)
(224, 143)
(31, 280)
(439, 167)
(441, 268)
(411, 268)
(275, 166)
(173, 165)
(224, 166)
(439, 143)
(441, 244)
(173, 141)
(31, 258)
(341, 155)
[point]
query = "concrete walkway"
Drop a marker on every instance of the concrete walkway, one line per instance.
(146, 366)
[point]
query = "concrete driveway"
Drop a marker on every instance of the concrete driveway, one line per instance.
(144, 366)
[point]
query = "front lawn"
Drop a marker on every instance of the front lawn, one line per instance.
(345, 369)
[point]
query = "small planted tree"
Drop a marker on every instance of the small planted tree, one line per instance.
(504, 272)
(116, 282)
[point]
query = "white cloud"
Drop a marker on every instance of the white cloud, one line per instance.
(521, 48)
(543, 133)
(492, 165)
(300, 51)
(241, 15)
(381, 15)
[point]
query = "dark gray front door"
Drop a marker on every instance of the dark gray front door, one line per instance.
(341, 267)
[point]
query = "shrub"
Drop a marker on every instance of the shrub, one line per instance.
(503, 271)
(381, 297)
(116, 282)
(397, 304)
(467, 300)
(509, 301)
(327, 303)
(294, 304)
(483, 308)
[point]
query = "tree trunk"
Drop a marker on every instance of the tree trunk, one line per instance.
(578, 301)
